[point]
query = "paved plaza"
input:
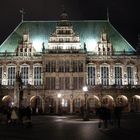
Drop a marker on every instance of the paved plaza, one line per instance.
(72, 128)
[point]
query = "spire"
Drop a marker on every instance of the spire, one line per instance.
(138, 45)
(107, 14)
(64, 15)
(22, 14)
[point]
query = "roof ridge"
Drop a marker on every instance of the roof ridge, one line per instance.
(69, 20)
(11, 33)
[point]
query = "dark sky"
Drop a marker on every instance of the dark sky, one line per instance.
(124, 14)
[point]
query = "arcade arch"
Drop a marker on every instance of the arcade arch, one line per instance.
(93, 103)
(7, 101)
(108, 101)
(36, 104)
(135, 103)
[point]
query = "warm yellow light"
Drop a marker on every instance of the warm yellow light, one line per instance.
(137, 96)
(32, 98)
(91, 45)
(5, 97)
(85, 88)
(59, 95)
(96, 97)
(37, 44)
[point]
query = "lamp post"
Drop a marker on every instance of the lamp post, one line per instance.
(85, 117)
(18, 90)
(71, 103)
(59, 96)
(36, 101)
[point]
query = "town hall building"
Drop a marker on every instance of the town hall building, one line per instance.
(56, 60)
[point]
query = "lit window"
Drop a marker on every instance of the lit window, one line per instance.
(118, 75)
(64, 103)
(37, 75)
(77, 103)
(25, 74)
(130, 76)
(91, 75)
(11, 75)
(104, 75)
(0, 75)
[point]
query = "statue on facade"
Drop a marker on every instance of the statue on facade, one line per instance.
(85, 48)
(43, 47)
(18, 91)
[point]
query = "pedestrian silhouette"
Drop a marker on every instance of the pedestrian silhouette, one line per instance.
(117, 115)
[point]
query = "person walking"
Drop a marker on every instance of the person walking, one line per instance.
(117, 115)
(14, 116)
(8, 114)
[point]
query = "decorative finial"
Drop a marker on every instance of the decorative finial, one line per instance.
(63, 8)
(138, 36)
(108, 14)
(64, 15)
(22, 14)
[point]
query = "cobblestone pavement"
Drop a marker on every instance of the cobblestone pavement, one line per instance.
(72, 128)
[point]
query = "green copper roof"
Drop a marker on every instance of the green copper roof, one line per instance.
(89, 32)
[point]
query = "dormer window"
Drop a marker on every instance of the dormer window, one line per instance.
(104, 46)
(25, 47)
(108, 49)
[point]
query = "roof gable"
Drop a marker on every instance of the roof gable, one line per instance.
(89, 32)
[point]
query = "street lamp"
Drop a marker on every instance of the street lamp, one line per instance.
(59, 96)
(36, 101)
(85, 117)
(71, 103)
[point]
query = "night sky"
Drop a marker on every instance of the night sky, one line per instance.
(124, 14)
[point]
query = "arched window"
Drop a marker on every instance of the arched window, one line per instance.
(91, 75)
(24, 69)
(64, 102)
(1, 71)
(37, 75)
(118, 75)
(130, 75)
(11, 70)
(104, 74)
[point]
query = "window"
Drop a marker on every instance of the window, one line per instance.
(67, 83)
(118, 75)
(51, 66)
(61, 83)
(0, 75)
(91, 102)
(61, 66)
(130, 76)
(11, 75)
(37, 75)
(64, 103)
(104, 75)
(91, 75)
(50, 83)
(67, 66)
(25, 74)
(77, 103)
(77, 66)
(48, 65)
(80, 66)
(78, 83)
(74, 66)
(64, 83)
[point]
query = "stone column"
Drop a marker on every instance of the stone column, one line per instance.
(57, 101)
(71, 106)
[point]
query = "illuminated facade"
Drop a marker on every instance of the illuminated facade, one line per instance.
(57, 58)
